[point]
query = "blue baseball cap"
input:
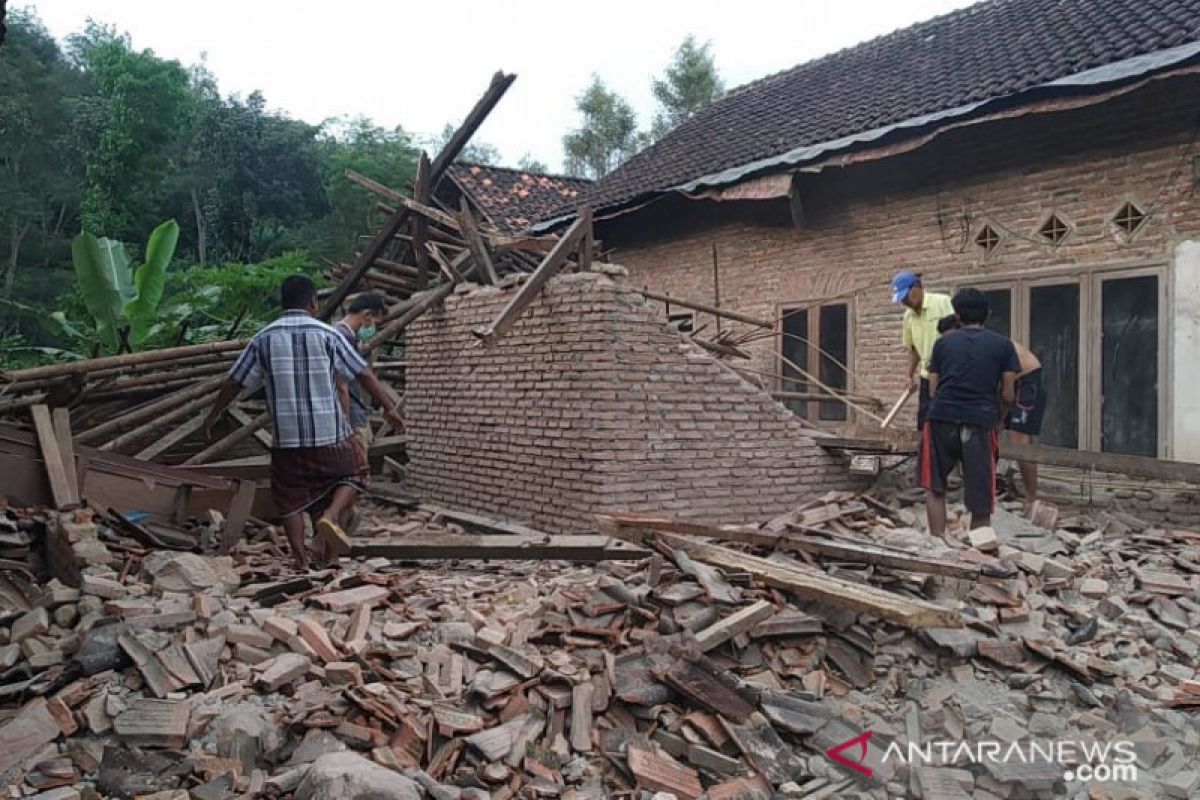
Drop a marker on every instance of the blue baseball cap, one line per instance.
(902, 283)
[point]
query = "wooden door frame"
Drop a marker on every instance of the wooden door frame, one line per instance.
(1090, 279)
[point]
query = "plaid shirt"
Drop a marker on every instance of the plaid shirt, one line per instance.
(299, 359)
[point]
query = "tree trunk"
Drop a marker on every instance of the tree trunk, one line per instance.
(201, 244)
(16, 236)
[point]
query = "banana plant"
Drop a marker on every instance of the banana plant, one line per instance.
(123, 300)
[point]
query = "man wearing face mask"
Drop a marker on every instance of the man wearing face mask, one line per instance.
(357, 326)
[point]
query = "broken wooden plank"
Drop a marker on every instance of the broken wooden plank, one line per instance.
(61, 420)
(554, 261)
(581, 549)
(811, 583)
(839, 549)
(737, 623)
(239, 512)
(62, 486)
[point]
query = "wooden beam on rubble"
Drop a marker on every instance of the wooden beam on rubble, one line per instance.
(554, 261)
(1133, 466)
(862, 552)
(22, 377)
(61, 475)
(495, 91)
(810, 583)
(151, 412)
(582, 549)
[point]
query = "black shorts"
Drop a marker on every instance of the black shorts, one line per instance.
(945, 445)
(1029, 404)
(922, 403)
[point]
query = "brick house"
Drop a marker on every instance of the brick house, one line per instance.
(1044, 151)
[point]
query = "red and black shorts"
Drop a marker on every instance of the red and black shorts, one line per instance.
(945, 445)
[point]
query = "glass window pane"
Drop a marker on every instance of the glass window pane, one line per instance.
(1129, 366)
(1001, 318)
(794, 347)
(833, 339)
(1054, 339)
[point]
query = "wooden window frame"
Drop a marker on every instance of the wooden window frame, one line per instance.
(1090, 280)
(813, 307)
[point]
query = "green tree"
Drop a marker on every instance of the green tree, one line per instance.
(476, 152)
(689, 83)
(357, 143)
(607, 135)
(531, 164)
(129, 124)
(246, 176)
(39, 180)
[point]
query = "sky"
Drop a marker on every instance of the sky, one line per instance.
(421, 65)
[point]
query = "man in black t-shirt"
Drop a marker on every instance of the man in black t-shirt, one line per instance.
(971, 376)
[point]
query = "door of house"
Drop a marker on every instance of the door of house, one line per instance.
(1099, 336)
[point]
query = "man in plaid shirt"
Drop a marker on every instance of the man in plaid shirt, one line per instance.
(317, 465)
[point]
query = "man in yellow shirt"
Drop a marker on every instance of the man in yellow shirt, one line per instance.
(919, 331)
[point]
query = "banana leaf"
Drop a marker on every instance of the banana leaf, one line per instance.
(150, 280)
(102, 269)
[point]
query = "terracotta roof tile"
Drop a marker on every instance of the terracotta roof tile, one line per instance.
(513, 198)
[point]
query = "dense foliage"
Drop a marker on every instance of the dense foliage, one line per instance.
(97, 136)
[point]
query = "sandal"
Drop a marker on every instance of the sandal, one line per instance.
(337, 543)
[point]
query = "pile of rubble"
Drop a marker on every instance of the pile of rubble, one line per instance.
(190, 677)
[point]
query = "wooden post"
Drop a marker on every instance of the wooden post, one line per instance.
(61, 420)
(61, 485)
(420, 232)
(466, 220)
(588, 243)
(495, 91)
(239, 512)
(551, 264)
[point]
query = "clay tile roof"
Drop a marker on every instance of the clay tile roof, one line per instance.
(983, 52)
(514, 199)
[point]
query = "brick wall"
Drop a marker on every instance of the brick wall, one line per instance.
(922, 210)
(591, 403)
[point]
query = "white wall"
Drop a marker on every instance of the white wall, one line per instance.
(1185, 352)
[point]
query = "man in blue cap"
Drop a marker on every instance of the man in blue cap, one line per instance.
(919, 333)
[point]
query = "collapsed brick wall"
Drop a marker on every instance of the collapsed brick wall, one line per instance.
(591, 403)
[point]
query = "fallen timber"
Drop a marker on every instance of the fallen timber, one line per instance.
(808, 583)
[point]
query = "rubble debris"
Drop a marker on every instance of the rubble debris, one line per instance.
(704, 661)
